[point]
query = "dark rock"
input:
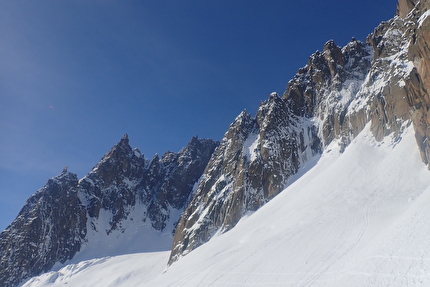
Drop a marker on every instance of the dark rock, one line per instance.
(251, 166)
(50, 228)
(332, 98)
(54, 223)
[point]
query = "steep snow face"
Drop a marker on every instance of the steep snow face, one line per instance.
(357, 218)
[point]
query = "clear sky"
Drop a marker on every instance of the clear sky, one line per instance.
(75, 76)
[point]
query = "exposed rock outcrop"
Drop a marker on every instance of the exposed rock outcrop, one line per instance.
(252, 165)
(382, 82)
(50, 228)
(55, 223)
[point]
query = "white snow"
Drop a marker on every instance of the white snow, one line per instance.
(423, 18)
(250, 147)
(124, 270)
(134, 235)
(358, 218)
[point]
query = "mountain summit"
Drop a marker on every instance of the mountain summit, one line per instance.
(122, 199)
(360, 95)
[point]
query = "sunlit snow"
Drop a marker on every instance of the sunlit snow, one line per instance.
(423, 18)
(358, 218)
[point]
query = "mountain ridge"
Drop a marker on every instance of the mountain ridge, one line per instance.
(123, 190)
(209, 186)
(338, 92)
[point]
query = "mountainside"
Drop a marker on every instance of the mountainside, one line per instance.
(352, 218)
(372, 95)
(333, 97)
(121, 195)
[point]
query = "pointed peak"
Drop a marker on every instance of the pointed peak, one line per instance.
(273, 96)
(124, 142)
(124, 139)
(137, 152)
(196, 141)
(242, 120)
(330, 45)
(242, 116)
(64, 176)
(121, 149)
(66, 173)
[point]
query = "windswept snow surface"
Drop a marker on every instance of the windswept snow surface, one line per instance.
(358, 218)
(123, 270)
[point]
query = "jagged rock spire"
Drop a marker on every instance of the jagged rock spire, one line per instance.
(61, 217)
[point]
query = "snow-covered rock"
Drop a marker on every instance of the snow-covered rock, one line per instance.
(332, 98)
(325, 185)
(125, 204)
(357, 218)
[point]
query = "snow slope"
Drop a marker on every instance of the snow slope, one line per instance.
(357, 218)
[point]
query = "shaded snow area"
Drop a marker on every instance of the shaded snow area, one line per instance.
(357, 218)
(134, 235)
(250, 147)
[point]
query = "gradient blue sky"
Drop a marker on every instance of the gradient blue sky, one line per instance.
(75, 76)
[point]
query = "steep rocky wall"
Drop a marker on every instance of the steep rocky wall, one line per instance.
(252, 165)
(419, 85)
(382, 82)
(405, 6)
(326, 86)
(56, 221)
(49, 228)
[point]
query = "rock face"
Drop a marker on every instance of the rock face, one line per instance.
(55, 223)
(417, 89)
(50, 227)
(258, 155)
(382, 83)
(251, 166)
(325, 87)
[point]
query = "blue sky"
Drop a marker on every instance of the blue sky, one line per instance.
(75, 76)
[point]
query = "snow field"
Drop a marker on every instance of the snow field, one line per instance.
(122, 270)
(358, 218)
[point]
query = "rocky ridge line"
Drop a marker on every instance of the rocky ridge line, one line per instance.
(60, 219)
(382, 82)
